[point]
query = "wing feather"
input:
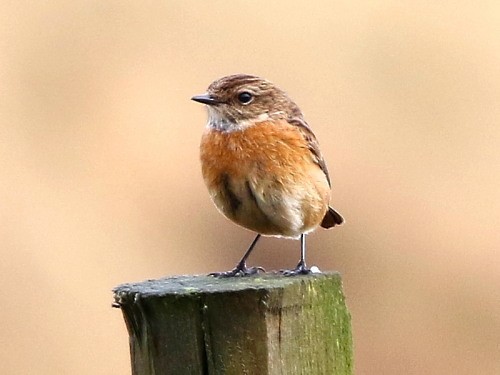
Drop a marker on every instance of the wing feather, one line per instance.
(312, 144)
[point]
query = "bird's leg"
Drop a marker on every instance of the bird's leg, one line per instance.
(301, 268)
(241, 268)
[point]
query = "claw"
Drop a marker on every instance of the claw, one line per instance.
(301, 269)
(238, 271)
(296, 272)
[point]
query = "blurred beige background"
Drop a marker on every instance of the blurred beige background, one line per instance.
(100, 181)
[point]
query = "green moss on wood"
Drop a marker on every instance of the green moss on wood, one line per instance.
(266, 324)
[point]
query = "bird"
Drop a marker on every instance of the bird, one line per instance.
(262, 165)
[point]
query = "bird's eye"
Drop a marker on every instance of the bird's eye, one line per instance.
(245, 97)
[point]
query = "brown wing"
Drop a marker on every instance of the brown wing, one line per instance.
(332, 217)
(312, 143)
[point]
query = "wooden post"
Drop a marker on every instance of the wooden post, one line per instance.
(260, 325)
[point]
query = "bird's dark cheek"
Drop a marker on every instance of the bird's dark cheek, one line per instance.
(232, 115)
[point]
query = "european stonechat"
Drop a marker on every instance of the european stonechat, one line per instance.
(262, 164)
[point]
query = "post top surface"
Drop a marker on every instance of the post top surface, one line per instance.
(202, 284)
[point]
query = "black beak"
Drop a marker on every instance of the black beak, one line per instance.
(206, 99)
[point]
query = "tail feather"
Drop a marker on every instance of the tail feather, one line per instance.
(331, 218)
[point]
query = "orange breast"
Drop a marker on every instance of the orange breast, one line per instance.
(264, 178)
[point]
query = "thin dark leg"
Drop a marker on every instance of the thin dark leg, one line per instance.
(241, 268)
(302, 262)
(243, 261)
(301, 268)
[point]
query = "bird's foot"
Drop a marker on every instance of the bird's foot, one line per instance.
(301, 269)
(240, 270)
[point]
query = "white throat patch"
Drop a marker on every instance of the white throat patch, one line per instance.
(221, 123)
